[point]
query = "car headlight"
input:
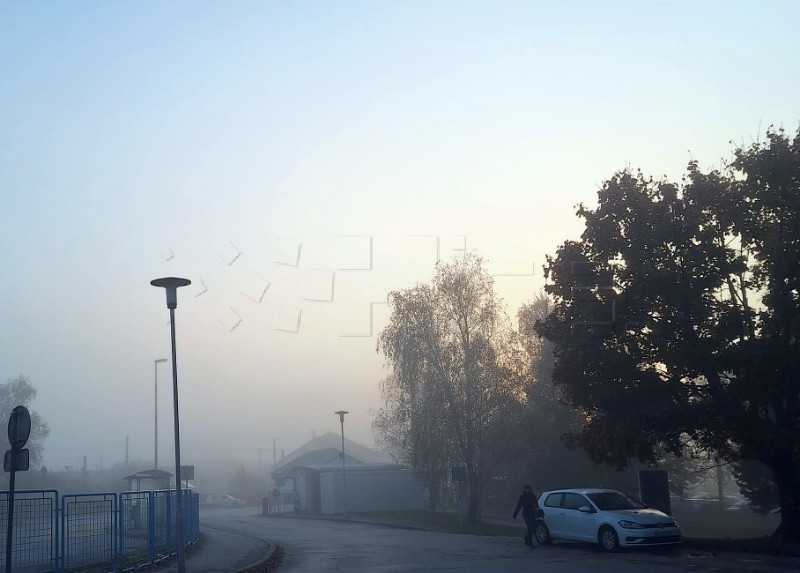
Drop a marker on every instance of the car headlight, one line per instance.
(630, 524)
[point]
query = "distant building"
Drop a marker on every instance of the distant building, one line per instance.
(314, 474)
(148, 479)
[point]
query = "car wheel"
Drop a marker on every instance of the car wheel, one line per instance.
(607, 539)
(541, 533)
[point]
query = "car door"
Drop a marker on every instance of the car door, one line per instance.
(576, 524)
(553, 513)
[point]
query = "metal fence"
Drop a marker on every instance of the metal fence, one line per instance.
(98, 531)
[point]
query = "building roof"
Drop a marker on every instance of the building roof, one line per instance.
(355, 468)
(149, 474)
(324, 450)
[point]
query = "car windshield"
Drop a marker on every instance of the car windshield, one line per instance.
(614, 500)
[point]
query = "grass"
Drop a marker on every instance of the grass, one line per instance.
(446, 521)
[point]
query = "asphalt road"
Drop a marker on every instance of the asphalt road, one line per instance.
(321, 546)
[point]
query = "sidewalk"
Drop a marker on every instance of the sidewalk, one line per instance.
(221, 551)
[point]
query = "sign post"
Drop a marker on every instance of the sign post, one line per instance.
(16, 459)
(187, 473)
(458, 474)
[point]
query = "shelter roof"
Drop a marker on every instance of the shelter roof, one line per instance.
(149, 474)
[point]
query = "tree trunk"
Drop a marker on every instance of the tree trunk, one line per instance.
(474, 512)
(433, 494)
(787, 478)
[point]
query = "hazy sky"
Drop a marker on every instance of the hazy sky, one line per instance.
(298, 160)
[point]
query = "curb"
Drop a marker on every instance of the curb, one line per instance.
(268, 563)
(383, 522)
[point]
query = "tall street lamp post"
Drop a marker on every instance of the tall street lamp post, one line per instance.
(171, 285)
(156, 363)
(341, 414)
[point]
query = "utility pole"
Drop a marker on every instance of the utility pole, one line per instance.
(341, 414)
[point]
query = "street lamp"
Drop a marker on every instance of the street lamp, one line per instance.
(156, 363)
(341, 414)
(171, 285)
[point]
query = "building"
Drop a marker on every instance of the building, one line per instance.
(314, 475)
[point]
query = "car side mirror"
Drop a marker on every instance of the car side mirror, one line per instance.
(585, 509)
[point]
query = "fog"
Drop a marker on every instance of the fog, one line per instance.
(297, 162)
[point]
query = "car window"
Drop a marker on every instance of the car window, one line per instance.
(574, 501)
(614, 500)
(553, 500)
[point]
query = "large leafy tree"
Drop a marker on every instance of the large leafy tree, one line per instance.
(20, 392)
(456, 380)
(677, 316)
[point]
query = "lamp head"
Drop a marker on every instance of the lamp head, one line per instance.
(171, 284)
(341, 415)
(160, 360)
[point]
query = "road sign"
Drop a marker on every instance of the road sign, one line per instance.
(458, 473)
(187, 472)
(17, 460)
(19, 427)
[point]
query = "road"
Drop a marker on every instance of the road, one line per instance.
(322, 546)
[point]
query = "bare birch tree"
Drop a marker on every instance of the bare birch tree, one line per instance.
(455, 381)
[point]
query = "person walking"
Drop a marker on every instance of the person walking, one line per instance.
(528, 504)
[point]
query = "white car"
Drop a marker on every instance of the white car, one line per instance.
(603, 516)
(222, 500)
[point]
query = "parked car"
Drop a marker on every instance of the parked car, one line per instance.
(221, 500)
(699, 503)
(603, 516)
(703, 501)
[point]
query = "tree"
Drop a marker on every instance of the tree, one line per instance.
(677, 316)
(756, 483)
(20, 392)
(409, 426)
(547, 417)
(546, 461)
(455, 383)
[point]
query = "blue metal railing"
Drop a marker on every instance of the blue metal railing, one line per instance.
(35, 533)
(100, 531)
(87, 532)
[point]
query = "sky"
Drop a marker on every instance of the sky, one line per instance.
(297, 161)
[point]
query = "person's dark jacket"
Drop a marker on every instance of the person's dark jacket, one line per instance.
(528, 504)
